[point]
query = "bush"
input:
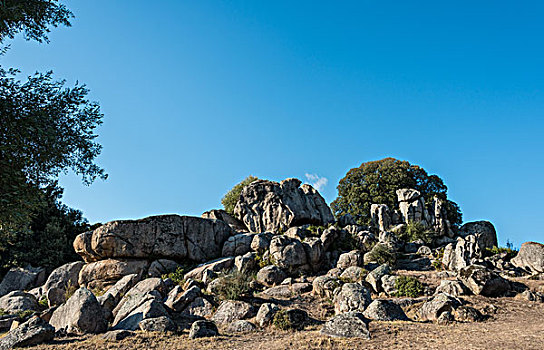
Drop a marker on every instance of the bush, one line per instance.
(70, 290)
(231, 198)
(315, 231)
(437, 263)
(413, 231)
(408, 286)
(510, 253)
(233, 286)
(383, 254)
(177, 276)
(345, 243)
(262, 261)
(378, 181)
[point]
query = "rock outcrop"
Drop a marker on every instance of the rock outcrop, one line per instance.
(347, 325)
(18, 278)
(530, 257)
(483, 231)
(32, 332)
(462, 253)
(272, 206)
(482, 281)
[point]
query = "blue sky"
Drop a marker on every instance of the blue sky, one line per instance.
(199, 94)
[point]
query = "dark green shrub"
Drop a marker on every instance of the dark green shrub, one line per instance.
(383, 254)
(408, 286)
(415, 230)
(177, 276)
(346, 243)
(233, 286)
(315, 231)
(437, 263)
(231, 198)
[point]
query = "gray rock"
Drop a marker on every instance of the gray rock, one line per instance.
(432, 309)
(346, 220)
(246, 262)
(80, 314)
(464, 252)
(165, 236)
(379, 214)
(231, 310)
(530, 257)
(271, 275)
(347, 325)
(482, 281)
(467, 314)
(445, 318)
(412, 206)
(18, 278)
(238, 244)
(261, 242)
(389, 284)
(352, 297)
(385, 310)
(329, 236)
(455, 288)
(199, 307)
(202, 328)
(241, 326)
(288, 254)
(424, 250)
(148, 306)
(352, 258)
(217, 266)
(282, 292)
(62, 278)
(374, 277)
(266, 314)
(325, 285)
(271, 206)
(18, 301)
(162, 267)
(314, 252)
(158, 324)
(484, 231)
(220, 214)
(105, 273)
(353, 274)
(113, 295)
(32, 332)
(178, 299)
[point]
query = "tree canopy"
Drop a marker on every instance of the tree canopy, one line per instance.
(378, 181)
(231, 198)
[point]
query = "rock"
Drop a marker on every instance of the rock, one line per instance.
(484, 231)
(270, 275)
(158, 324)
(80, 314)
(231, 310)
(271, 206)
(445, 318)
(352, 297)
(18, 301)
(482, 281)
(530, 257)
(379, 214)
(329, 236)
(18, 278)
(178, 300)
(467, 314)
(105, 273)
(266, 314)
(424, 250)
(220, 214)
(238, 244)
(374, 277)
(385, 310)
(288, 254)
(282, 292)
(325, 285)
(246, 262)
(161, 267)
(117, 335)
(412, 206)
(353, 274)
(389, 284)
(432, 309)
(202, 328)
(442, 225)
(199, 307)
(461, 254)
(241, 326)
(294, 318)
(217, 266)
(261, 242)
(62, 278)
(165, 236)
(314, 252)
(347, 325)
(352, 258)
(346, 220)
(111, 298)
(454, 288)
(32, 332)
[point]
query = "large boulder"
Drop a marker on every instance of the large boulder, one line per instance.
(464, 252)
(238, 244)
(412, 206)
(32, 332)
(161, 267)
(203, 328)
(215, 266)
(178, 299)
(62, 278)
(484, 231)
(18, 278)
(270, 275)
(18, 301)
(272, 206)
(289, 254)
(220, 214)
(165, 236)
(347, 325)
(380, 216)
(385, 310)
(482, 281)
(451, 287)
(352, 297)
(231, 310)
(530, 257)
(266, 314)
(441, 303)
(325, 285)
(80, 314)
(113, 295)
(104, 273)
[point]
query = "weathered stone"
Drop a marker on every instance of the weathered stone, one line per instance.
(266, 314)
(158, 324)
(261, 242)
(296, 318)
(329, 236)
(270, 275)
(389, 284)
(178, 300)
(374, 277)
(217, 266)
(314, 252)
(231, 310)
(271, 206)
(111, 298)
(461, 254)
(164, 236)
(238, 244)
(445, 318)
(441, 224)
(432, 309)
(325, 285)
(352, 297)
(353, 274)
(62, 278)
(246, 262)
(379, 214)
(482, 281)
(199, 307)
(346, 219)
(347, 325)
(412, 206)
(202, 328)
(385, 310)
(288, 254)
(105, 273)
(483, 231)
(162, 267)
(352, 258)
(32, 332)
(80, 314)
(424, 250)
(18, 278)
(454, 288)
(241, 326)
(282, 292)
(530, 257)
(467, 314)
(220, 214)
(18, 301)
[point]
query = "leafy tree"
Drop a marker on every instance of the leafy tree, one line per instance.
(378, 181)
(231, 198)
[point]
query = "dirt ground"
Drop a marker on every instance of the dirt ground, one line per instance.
(517, 324)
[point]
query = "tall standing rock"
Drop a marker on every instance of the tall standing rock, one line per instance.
(462, 253)
(381, 218)
(484, 231)
(412, 206)
(272, 206)
(530, 257)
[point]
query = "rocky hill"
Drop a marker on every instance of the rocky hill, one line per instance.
(281, 262)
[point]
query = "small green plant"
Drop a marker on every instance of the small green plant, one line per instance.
(98, 291)
(510, 253)
(177, 276)
(234, 285)
(315, 231)
(23, 315)
(383, 254)
(413, 231)
(408, 286)
(262, 261)
(437, 263)
(3, 312)
(70, 290)
(43, 302)
(281, 320)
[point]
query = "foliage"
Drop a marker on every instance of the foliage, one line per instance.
(315, 231)
(510, 253)
(382, 254)
(378, 181)
(177, 276)
(345, 243)
(437, 263)
(43, 302)
(24, 314)
(413, 231)
(70, 290)
(234, 285)
(408, 286)
(282, 321)
(262, 261)
(231, 198)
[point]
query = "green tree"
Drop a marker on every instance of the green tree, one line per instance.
(378, 181)
(231, 198)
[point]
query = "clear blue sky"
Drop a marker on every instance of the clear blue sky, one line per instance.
(199, 94)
